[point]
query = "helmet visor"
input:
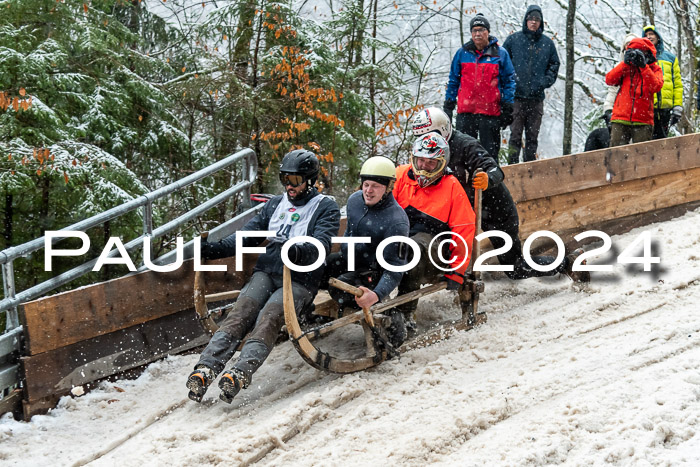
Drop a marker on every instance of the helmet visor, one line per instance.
(291, 179)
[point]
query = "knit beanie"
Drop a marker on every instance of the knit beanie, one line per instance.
(479, 20)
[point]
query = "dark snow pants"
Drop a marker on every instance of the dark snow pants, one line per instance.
(259, 311)
(336, 266)
(424, 272)
(499, 213)
(485, 128)
(662, 118)
(527, 115)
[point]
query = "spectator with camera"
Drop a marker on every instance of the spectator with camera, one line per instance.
(639, 78)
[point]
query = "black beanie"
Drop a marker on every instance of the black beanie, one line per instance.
(479, 20)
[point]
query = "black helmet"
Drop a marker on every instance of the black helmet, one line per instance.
(300, 162)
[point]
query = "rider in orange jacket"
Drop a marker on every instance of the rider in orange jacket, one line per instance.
(435, 202)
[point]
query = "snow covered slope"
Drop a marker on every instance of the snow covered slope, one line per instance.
(609, 374)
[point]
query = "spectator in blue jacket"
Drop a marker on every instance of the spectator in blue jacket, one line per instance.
(481, 87)
(536, 65)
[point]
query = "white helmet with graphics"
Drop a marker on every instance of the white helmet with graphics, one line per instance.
(430, 146)
(432, 119)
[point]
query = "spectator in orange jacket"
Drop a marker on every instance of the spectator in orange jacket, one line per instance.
(435, 202)
(639, 78)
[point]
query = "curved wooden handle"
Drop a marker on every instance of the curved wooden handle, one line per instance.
(345, 287)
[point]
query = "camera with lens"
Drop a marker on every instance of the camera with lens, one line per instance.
(635, 57)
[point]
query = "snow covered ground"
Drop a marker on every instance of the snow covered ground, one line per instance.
(609, 374)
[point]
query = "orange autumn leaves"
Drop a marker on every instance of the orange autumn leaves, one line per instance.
(292, 81)
(392, 123)
(8, 101)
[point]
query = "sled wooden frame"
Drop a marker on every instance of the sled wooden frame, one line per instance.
(325, 306)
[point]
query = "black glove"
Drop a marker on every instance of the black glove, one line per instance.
(449, 107)
(452, 284)
(636, 58)
(676, 114)
(649, 57)
(213, 250)
(506, 114)
(607, 115)
(296, 254)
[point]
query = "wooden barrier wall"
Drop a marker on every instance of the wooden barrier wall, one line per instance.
(613, 189)
(81, 336)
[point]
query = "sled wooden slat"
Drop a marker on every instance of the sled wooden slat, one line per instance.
(324, 305)
(217, 297)
(359, 315)
(569, 174)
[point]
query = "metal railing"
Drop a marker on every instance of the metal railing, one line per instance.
(9, 341)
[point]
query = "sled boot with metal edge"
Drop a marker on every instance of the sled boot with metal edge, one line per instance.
(576, 276)
(198, 382)
(231, 383)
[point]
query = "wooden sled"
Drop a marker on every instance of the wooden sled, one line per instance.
(374, 324)
(304, 338)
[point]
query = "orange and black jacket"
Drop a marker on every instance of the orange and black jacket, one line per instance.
(440, 207)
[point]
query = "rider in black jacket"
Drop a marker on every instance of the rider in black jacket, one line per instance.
(259, 310)
(372, 212)
(498, 208)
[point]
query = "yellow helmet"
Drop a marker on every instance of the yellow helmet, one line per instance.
(379, 169)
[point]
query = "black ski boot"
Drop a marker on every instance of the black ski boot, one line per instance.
(198, 382)
(397, 329)
(576, 276)
(253, 354)
(231, 382)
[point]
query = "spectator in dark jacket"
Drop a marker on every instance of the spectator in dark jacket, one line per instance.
(481, 86)
(536, 66)
(259, 311)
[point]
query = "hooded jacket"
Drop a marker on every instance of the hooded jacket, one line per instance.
(534, 58)
(383, 220)
(440, 207)
(671, 94)
(480, 80)
(634, 102)
(613, 90)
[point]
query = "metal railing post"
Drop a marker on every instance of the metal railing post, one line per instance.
(8, 285)
(147, 226)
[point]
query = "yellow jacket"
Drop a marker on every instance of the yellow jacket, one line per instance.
(671, 95)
